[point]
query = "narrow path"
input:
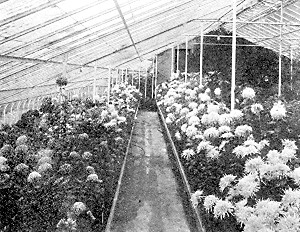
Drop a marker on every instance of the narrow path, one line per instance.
(149, 200)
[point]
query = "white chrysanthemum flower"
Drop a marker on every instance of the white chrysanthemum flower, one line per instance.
(171, 116)
(262, 144)
(184, 111)
(266, 229)
(3, 160)
(240, 151)
(203, 97)
(227, 135)
(203, 145)
(92, 177)
(191, 131)
(223, 209)
(78, 208)
(193, 105)
(288, 154)
(217, 91)
(252, 166)
(210, 119)
(168, 121)
(212, 152)
(242, 213)
(178, 107)
(278, 111)
(69, 224)
(212, 108)
(274, 171)
(44, 167)
(224, 129)
(184, 127)
(225, 181)
(273, 157)
(209, 202)
(267, 209)
(194, 120)
(178, 135)
(243, 130)
(243, 151)
(207, 90)
(33, 176)
(256, 108)
(225, 119)
(288, 223)
(295, 174)
(236, 114)
(289, 144)
(254, 224)
(291, 198)
(192, 113)
(188, 153)
(248, 93)
(247, 186)
(211, 132)
(195, 197)
(201, 107)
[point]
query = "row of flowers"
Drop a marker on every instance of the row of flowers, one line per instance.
(241, 163)
(59, 165)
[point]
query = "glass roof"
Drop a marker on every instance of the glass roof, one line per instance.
(93, 33)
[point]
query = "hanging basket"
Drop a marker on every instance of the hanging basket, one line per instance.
(61, 81)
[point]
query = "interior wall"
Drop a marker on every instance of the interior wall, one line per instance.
(164, 66)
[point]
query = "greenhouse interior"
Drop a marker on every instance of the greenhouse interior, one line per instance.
(149, 115)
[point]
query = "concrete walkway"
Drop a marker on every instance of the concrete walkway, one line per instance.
(149, 200)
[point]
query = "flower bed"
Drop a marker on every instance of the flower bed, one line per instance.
(241, 164)
(60, 165)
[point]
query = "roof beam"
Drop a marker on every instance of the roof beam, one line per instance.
(41, 25)
(28, 12)
(126, 27)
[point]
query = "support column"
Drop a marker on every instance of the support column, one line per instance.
(139, 85)
(201, 56)
(152, 77)
(156, 72)
(172, 61)
(291, 68)
(186, 58)
(126, 76)
(146, 84)
(233, 54)
(122, 76)
(108, 85)
(280, 51)
(94, 84)
(177, 63)
(4, 114)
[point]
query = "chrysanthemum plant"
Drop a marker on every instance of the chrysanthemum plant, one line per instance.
(220, 146)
